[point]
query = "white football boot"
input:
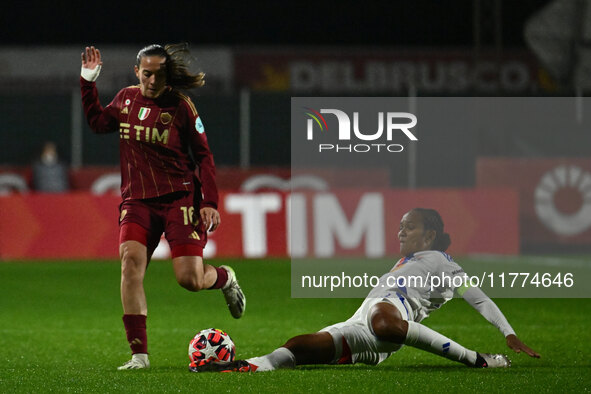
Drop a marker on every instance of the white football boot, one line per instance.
(495, 360)
(233, 294)
(138, 361)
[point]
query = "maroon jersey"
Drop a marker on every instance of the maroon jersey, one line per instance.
(155, 137)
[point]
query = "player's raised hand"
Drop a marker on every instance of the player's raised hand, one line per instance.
(514, 343)
(91, 64)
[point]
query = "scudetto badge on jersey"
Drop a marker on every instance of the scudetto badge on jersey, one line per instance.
(199, 125)
(144, 113)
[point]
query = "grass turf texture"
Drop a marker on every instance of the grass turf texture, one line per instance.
(61, 331)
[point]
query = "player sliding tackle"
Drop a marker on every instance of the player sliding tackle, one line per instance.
(391, 316)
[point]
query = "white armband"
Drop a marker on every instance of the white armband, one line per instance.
(90, 75)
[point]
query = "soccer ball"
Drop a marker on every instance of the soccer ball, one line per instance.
(211, 345)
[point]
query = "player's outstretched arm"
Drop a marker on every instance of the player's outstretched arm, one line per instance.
(91, 64)
(514, 343)
(491, 312)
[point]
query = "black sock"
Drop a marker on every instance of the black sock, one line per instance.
(480, 362)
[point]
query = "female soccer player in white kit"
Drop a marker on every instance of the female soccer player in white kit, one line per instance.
(391, 315)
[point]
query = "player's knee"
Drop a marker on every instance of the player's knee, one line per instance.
(133, 264)
(389, 328)
(293, 343)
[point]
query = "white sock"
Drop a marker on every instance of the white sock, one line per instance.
(424, 338)
(143, 357)
(279, 358)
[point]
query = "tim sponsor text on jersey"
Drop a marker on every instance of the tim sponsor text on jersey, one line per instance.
(143, 133)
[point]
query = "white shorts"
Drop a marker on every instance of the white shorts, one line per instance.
(357, 332)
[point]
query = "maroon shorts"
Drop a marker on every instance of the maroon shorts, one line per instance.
(176, 215)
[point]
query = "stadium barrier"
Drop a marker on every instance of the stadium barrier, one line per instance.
(103, 179)
(323, 224)
(554, 199)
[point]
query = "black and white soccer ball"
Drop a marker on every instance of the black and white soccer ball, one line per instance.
(211, 345)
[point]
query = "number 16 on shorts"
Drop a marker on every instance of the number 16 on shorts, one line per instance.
(189, 216)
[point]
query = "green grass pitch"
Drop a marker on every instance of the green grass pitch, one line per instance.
(61, 331)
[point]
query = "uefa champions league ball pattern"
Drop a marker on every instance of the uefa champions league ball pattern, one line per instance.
(211, 345)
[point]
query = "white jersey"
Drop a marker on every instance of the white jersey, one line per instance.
(417, 285)
(424, 279)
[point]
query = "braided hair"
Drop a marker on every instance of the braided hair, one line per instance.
(177, 62)
(432, 221)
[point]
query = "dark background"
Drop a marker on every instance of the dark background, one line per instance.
(365, 23)
(392, 25)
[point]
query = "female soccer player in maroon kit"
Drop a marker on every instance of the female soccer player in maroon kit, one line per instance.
(161, 141)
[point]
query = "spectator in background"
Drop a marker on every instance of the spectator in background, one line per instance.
(50, 175)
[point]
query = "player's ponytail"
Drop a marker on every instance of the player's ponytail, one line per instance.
(178, 59)
(432, 221)
(442, 242)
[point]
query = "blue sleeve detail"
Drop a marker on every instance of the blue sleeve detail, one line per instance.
(448, 257)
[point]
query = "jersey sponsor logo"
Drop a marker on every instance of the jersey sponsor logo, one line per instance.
(194, 235)
(144, 113)
(199, 126)
(125, 110)
(142, 133)
(165, 118)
